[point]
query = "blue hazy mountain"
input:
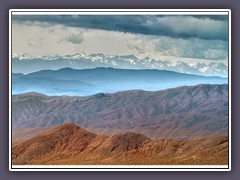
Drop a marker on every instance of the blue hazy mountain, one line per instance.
(69, 81)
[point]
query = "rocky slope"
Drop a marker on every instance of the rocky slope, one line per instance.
(183, 112)
(71, 144)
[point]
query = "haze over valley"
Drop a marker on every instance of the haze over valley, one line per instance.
(69, 81)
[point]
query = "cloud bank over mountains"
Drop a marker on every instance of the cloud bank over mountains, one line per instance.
(169, 37)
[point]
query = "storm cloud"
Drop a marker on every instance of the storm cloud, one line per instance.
(211, 27)
(188, 38)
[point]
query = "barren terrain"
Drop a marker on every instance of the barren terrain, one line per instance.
(71, 144)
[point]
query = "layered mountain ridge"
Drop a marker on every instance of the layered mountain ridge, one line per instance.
(85, 82)
(183, 112)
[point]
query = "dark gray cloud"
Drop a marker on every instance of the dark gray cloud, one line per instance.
(209, 27)
(213, 17)
(75, 38)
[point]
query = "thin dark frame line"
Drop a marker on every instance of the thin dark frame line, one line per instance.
(121, 11)
(11, 91)
(229, 120)
(119, 168)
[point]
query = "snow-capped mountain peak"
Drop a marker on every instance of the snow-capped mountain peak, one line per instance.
(24, 56)
(75, 56)
(81, 61)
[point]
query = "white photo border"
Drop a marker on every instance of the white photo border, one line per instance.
(119, 167)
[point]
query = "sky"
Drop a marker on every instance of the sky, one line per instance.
(187, 38)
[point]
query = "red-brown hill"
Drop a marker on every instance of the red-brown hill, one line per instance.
(71, 144)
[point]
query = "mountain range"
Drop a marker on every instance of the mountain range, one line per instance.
(70, 144)
(179, 113)
(85, 82)
(26, 63)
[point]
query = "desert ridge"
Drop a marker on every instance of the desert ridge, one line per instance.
(71, 144)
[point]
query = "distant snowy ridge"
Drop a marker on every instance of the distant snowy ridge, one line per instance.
(26, 63)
